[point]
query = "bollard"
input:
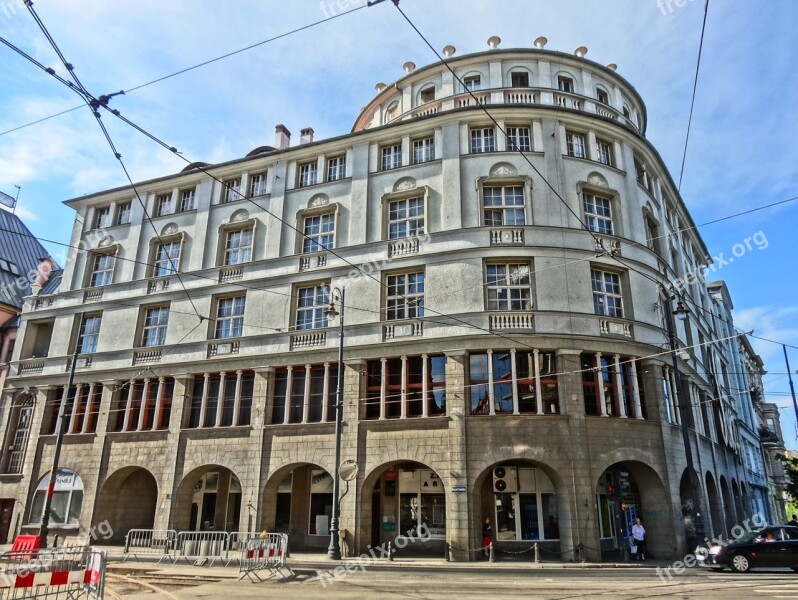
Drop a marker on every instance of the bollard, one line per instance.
(390, 552)
(492, 557)
(537, 553)
(447, 551)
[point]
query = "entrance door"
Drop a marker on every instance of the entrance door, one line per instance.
(376, 518)
(6, 510)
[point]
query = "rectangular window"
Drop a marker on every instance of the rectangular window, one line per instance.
(519, 79)
(391, 157)
(156, 321)
(257, 185)
(163, 205)
(528, 378)
(607, 299)
(311, 311)
(336, 168)
(232, 190)
(319, 233)
(308, 173)
(405, 218)
(230, 317)
(88, 335)
(575, 143)
(504, 206)
(423, 384)
(602, 96)
(405, 296)
(598, 213)
(167, 259)
(565, 84)
(518, 138)
(238, 247)
(187, 200)
(123, 217)
(103, 270)
(322, 384)
(472, 83)
(482, 140)
(604, 152)
(423, 150)
(102, 217)
(508, 286)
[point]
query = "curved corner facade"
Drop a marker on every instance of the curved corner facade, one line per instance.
(500, 360)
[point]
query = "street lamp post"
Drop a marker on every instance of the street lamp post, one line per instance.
(681, 312)
(334, 550)
(44, 526)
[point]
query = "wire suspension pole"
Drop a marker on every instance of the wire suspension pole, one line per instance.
(334, 550)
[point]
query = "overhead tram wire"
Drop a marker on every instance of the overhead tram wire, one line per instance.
(695, 87)
(93, 104)
(198, 65)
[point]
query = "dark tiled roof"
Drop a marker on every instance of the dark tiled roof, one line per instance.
(52, 285)
(17, 246)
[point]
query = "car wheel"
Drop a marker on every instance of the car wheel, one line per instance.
(740, 563)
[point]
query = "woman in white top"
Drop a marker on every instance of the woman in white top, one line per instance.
(639, 537)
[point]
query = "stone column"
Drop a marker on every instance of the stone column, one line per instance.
(600, 384)
(181, 403)
(514, 377)
(351, 510)
(462, 528)
(618, 381)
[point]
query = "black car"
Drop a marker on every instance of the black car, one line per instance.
(775, 546)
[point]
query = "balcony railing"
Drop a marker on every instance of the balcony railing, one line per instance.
(402, 247)
(520, 96)
(399, 330)
(506, 237)
(230, 274)
(158, 285)
(609, 327)
(309, 262)
(30, 367)
(92, 294)
(223, 348)
(308, 339)
(510, 321)
(143, 357)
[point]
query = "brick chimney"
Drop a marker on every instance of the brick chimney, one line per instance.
(282, 137)
(306, 136)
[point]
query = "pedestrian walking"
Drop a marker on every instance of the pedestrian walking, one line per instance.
(639, 539)
(487, 536)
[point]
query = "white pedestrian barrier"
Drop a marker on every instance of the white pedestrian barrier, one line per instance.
(202, 546)
(158, 543)
(53, 573)
(263, 552)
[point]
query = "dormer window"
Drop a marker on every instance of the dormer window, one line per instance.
(102, 217)
(565, 84)
(519, 79)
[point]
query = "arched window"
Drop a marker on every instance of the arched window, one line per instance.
(67, 499)
(426, 95)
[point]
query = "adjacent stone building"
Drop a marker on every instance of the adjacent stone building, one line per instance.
(500, 360)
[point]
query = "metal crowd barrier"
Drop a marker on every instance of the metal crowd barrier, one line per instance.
(263, 553)
(56, 573)
(159, 543)
(237, 540)
(202, 546)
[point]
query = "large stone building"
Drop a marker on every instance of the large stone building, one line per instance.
(501, 360)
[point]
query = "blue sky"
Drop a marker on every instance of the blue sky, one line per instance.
(742, 150)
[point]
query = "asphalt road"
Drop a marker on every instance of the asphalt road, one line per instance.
(418, 584)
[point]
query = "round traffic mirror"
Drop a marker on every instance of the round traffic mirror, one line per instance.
(348, 470)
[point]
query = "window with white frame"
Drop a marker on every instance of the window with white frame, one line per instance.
(308, 173)
(230, 317)
(231, 190)
(602, 96)
(472, 82)
(565, 84)
(238, 246)
(319, 233)
(575, 144)
(67, 499)
(311, 307)
(163, 204)
(405, 296)
(187, 200)
(519, 79)
(156, 320)
(503, 205)
(167, 258)
(508, 286)
(607, 293)
(514, 382)
(482, 140)
(423, 150)
(518, 138)
(257, 184)
(123, 214)
(405, 218)
(19, 432)
(102, 217)
(102, 271)
(391, 157)
(598, 213)
(336, 168)
(604, 152)
(88, 334)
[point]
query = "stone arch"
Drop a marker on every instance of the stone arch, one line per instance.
(738, 499)
(296, 498)
(126, 500)
(205, 503)
(688, 512)
(728, 503)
